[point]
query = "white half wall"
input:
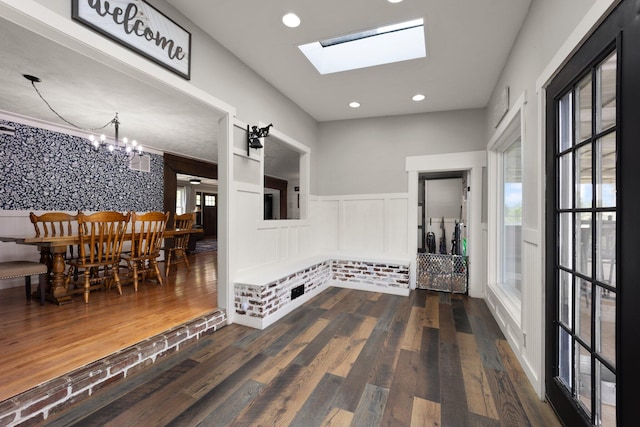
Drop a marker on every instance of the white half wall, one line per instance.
(366, 225)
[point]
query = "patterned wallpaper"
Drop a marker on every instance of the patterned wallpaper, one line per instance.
(45, 170)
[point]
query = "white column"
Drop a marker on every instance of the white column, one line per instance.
(474, 245)
(226, 224)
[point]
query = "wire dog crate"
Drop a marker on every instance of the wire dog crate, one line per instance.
(442, 272)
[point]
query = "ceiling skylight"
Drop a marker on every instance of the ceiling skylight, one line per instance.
(383, 45)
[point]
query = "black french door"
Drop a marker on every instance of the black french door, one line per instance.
(592, 221)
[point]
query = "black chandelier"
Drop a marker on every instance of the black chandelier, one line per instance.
(119, 148)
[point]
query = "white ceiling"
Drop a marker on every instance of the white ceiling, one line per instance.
(88, 94)
(468, 42)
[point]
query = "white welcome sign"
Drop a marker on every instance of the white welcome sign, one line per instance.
(142, 28)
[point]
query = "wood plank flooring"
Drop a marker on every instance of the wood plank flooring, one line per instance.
(345, 358)
(40, 343)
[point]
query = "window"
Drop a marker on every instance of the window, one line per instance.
(181, 201)
(505, 213)
(209, 200)
(511, 226)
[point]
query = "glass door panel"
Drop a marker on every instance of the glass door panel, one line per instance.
(585, 259)
(585, 113)
(583, 377)
(606, 156)
(606, 231)
(606, 322)
(584, 190)
(583, 243)
(565, 242)
(606, 94)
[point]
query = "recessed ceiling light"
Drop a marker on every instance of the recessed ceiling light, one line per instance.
(418, 97)
(291, 20)
(394, 1)
(354, 104)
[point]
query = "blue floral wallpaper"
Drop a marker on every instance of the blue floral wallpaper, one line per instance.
(45, 170)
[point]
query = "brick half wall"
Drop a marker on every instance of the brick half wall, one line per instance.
(254, 303)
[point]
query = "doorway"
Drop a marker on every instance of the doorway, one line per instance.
(591, 291)
(175, 166)
(209, 214)
(442, 233)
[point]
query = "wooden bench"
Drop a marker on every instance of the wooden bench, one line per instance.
(26, 269)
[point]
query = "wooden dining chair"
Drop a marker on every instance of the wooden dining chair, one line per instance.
(101, 238)
(147, 232)
(52, 224)
(178, 252)
(55, 224)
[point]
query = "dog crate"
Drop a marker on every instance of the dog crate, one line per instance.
(442, 272)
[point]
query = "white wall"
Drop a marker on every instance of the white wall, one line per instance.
(443, 199)
(367, 156)
(546, 27)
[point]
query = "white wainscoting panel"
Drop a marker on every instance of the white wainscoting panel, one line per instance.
(533, 321)
(262, 242)
(523, 326)
(396, 231)
(373, 225)
(327, 223)
(254, 246)
(363, 225)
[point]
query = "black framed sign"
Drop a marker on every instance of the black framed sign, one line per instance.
(140, 27)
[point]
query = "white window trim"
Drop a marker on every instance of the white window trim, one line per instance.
(511, 127)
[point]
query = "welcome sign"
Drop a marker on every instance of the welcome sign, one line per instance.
(142, 28)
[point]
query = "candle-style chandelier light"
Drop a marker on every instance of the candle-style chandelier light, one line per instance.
(117, 147)
(123, 149)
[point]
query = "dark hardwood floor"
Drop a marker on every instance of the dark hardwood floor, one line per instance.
(345, 358)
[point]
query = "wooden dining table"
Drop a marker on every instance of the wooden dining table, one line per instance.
(52, 252)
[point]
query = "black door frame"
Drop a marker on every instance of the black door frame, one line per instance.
(619, 30)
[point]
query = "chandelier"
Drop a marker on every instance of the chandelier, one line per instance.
(119, 148)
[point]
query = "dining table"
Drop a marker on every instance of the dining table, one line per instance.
(52, 253)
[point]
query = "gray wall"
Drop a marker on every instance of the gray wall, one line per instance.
(547, 26)
(367, 156)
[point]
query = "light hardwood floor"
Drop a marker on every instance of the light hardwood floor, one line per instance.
(41, 343)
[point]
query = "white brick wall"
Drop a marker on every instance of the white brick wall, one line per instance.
(260, 301)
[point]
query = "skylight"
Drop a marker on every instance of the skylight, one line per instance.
(383, 45)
